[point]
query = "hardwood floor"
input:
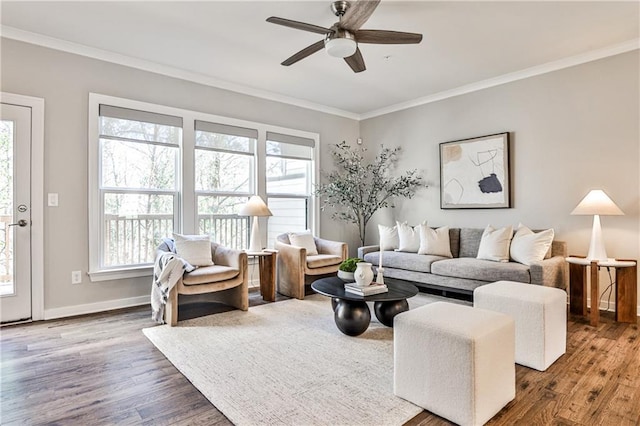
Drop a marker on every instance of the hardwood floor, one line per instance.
(100, 369)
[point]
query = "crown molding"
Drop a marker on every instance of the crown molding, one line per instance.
(116, 58)
(567, 62)
(142, 64)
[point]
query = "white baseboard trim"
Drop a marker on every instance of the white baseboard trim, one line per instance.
(91, 308)
(612, 306)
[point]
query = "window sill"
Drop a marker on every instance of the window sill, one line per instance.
(120, 274)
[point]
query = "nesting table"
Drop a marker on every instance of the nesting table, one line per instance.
(267, 268)
(625, 286)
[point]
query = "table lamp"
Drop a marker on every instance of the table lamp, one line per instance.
(257, 208)
(597, 203)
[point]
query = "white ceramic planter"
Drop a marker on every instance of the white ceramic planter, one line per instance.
(346, 276)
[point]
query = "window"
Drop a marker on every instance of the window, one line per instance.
(224, 180)
(289, 178)
(138, 164)
(155, 170)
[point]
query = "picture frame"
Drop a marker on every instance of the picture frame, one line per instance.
(475, 173)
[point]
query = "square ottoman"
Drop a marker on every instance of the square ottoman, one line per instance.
(540, 314)
(455, 361)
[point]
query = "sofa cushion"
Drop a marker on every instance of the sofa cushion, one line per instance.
(469, 242)
(480, 269)
(435, 242)
(409, 237)
(388, 237)
(322, 260)
(408, 261)
(209, 274)
(494, 244)
(528, 247)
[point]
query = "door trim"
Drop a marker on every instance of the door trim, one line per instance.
(37, 197)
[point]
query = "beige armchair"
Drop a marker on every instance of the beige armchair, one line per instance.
(296, 268)
(227, 278)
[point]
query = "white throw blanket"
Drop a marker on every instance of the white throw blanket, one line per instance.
(167, 271)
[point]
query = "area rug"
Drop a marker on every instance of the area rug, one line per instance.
(287, 363)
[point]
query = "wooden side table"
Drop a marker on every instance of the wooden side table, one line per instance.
(267, 269)
(626, 287)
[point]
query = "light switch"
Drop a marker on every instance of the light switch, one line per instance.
(53, 199)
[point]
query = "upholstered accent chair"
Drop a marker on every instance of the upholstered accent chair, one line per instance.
(226, 280)
(296, 268)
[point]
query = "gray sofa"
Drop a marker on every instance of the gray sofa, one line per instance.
(463, 273)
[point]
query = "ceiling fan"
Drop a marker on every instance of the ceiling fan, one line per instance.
(341, 40)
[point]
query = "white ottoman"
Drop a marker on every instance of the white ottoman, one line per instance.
(540, 314)
(455, 361)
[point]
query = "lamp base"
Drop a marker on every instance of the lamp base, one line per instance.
(255, 244)
(597, 250)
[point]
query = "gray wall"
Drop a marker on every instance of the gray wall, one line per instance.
(572, 130)
(64, 80)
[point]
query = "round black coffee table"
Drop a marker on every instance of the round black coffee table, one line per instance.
(351, 313)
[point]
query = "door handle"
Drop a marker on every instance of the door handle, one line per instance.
(21, 223)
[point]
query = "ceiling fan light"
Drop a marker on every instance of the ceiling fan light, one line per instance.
(340, 47)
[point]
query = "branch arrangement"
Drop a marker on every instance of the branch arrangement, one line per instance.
(357, 189)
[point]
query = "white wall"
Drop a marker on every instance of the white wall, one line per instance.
(572, 130)
(64, 80)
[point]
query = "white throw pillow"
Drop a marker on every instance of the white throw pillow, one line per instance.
(494, 244)
(435, 241)
(388, 237)
(195, 249)
(304, 240)
(528, 247)
(408, 237)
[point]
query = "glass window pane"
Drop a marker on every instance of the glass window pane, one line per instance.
(223, 171)
(137, 165)
(7, 134)
(289, 215)
(140, 130)
(134, 225)
(289, 150)
(217, 217)
(226, 142)
(286, 176)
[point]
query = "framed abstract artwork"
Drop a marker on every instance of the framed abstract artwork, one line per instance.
(474, 173)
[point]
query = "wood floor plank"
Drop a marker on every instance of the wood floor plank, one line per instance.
(101, 370)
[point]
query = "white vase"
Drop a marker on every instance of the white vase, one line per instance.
(363, 274)
(346, 276)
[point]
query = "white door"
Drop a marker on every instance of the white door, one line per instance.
(15, 213)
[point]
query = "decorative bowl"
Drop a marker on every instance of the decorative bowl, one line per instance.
(346, 276)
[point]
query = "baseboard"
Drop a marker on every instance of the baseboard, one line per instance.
(612, 306)
(91, 308)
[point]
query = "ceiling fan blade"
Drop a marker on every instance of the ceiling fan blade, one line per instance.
(299, 25)
(307, 51)
(356, 62)
(358, 14)
(387, 37)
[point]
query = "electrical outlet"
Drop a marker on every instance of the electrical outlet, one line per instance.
(76, 277)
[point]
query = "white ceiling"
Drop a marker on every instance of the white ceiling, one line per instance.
(229, 44)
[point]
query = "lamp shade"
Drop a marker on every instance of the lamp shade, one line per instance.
(597, 202)
(255, 207)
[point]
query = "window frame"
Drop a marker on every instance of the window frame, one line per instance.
(187, 212)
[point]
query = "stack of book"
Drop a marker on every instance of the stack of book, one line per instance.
(369, 290)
